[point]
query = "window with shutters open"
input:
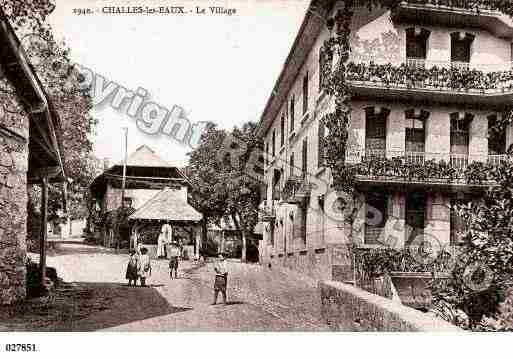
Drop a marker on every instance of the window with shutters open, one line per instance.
(292, 113)
(282, 131)
(496, 137)
(304, 167)
(305, 93)
(273, 149)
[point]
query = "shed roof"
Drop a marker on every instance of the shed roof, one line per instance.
(167, 205)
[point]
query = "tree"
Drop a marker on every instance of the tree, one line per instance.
(483, 271)
(60, 79)
(222, 186)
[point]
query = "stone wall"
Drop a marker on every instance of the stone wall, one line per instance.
(347, 308)
(13, 208)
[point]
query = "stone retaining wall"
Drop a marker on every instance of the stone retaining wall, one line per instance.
(347, 308)
(13, 206)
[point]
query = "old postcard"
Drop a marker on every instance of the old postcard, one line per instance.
(255, 166)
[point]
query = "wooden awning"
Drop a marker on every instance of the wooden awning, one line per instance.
(45, 145)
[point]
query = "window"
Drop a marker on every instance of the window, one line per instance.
(291, 163)
(266, 160)
(416, 46)
(460, 139)
(304, 166)
(458, 226)
(376, 216)
(496, 137)
(282, 131)
(415, 134)
(415, 215)
(461, 45)
(276, 184)
(375, 131)
(274, 143)
(459, 133)
(292, 113)
(320, 155)
(305, 93)
(325, 62)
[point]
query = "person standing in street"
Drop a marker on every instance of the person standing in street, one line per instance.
(132, 268)
(161, 252)
(174, 257)
(220, 279)
(144, 266)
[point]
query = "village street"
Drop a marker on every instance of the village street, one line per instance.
(258, 298)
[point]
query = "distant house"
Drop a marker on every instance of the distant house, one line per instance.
(155, 190)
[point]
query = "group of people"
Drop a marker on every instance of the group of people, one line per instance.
(139, 263)
(139, 268)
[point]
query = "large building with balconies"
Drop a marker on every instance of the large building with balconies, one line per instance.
(431, 88)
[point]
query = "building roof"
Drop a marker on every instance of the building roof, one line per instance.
(144, 156)
(167, 205)
(144, 168)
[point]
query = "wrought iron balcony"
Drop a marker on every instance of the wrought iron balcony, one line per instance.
(267, 212)
(491, 15)
(448, 82)
(296, 190)
(422, 167)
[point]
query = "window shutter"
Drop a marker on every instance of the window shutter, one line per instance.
(305, 157)
(321, 134)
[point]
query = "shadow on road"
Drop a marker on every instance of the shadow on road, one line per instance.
(87, 307)
(125, 305)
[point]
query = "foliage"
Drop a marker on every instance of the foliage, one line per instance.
(484, 269)
(378, 261)
(223, 188)
(435, 77)
(405, 168)
(60, 79)
(504, 318)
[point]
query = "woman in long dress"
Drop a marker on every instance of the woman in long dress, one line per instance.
(161, 253)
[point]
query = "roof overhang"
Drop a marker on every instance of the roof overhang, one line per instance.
(471, 97)
(45, 145)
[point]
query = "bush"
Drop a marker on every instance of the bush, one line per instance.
(34, 279)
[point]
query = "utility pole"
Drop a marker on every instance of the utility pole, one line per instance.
(124, 168)
(123, 184)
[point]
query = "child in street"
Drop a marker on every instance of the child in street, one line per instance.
(131, 268)
(220, 279)
(174, 256)
(144, 266)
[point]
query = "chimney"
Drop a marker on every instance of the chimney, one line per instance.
(106, 162)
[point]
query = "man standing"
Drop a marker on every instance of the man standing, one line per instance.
(221, 278)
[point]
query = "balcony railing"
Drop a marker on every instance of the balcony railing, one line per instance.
(419, 166)
(459, 65)
(422, 74)
(267, 211)
(296, 189)
(471, 5)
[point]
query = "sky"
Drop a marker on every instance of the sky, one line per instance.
(218, 68)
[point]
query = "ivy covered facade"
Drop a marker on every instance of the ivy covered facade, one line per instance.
(386, 114)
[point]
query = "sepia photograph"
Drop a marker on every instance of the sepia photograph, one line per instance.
(254, 166)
